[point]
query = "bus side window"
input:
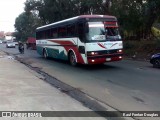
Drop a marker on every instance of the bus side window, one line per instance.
(47, 34)
(81, 31)
(40, 35)
(37, 35)
(62, 32)
(43, 35)
(71, 30)
(54, 33)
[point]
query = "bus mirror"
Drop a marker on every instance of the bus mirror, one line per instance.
(86, 28)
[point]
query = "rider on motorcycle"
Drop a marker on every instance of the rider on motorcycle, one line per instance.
(21, 47)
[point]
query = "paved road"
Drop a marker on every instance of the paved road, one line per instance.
(125, 85)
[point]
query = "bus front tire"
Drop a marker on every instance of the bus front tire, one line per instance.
(72, 59)
(45, 54)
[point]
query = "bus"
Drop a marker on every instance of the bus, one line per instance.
(84, 39)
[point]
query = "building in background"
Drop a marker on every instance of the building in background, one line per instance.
(2, 35)
(9, 36)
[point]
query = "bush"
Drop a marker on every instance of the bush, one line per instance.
(158, 44)
(128, 45)
(141, 49)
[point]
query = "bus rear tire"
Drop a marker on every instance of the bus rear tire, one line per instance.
(45, 54)
(72, 59)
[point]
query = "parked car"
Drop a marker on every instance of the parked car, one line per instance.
(155, 60)
(16, 43)
(4, 41)
(10, 44)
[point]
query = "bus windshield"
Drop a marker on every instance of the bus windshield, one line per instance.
(98, 32)
(111, 32)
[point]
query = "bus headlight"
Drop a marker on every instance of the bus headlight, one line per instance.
(119, 51)
(93, 60)
(92, 53)
(120, 57)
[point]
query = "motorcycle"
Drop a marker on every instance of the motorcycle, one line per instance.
(21, 49)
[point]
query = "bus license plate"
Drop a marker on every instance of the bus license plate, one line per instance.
(108, 59)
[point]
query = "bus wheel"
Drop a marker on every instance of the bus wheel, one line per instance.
(72, 59)
(45, 54)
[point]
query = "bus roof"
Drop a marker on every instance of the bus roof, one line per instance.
(77, 18)
(96, 16)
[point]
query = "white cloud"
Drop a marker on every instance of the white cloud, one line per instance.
(9, 10)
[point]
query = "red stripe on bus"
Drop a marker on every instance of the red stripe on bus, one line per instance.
(67, 48)
(101, 45)
(62, 42)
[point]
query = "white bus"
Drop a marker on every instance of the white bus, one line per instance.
(85, 39)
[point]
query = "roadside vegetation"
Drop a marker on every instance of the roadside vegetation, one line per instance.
(138, 19)
(142, 50)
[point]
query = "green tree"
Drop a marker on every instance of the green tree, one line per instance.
(152, 14)
(25, 25)
(136, 17)
(51, 11)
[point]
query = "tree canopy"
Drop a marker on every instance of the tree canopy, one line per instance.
(135, 17)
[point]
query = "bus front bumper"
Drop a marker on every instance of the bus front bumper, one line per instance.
(101, 60)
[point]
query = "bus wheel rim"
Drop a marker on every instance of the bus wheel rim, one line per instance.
(73, 59)
(45, 54)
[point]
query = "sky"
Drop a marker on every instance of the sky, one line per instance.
(9, 10)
